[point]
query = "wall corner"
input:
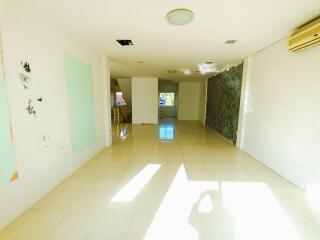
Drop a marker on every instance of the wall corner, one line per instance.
(243, 100)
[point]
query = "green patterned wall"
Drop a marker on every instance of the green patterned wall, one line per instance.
(223, 102)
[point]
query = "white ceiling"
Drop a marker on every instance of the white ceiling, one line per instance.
(254, 23)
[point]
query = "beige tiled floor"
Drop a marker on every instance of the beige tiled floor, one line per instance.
(197, 186)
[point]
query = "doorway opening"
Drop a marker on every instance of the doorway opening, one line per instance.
(168, 101)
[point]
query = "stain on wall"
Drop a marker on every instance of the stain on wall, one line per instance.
(223, 102)
(24, 74)
(46, 139)
(30, 108)
(24, 80)
(26, 67)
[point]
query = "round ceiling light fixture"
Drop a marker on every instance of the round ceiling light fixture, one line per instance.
(180, 16)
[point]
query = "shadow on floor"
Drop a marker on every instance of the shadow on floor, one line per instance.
(210, 217)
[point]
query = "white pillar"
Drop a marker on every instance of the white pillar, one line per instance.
(106, 100)
(243, 103)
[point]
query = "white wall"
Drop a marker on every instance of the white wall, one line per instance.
(189, 100)
(29, 35)
(145, 100)
(282, 112)
(125, 86)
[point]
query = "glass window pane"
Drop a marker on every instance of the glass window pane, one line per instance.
(170, 99)
(166, 99)
(162, 98)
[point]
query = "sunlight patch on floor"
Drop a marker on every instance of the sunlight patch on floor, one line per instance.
(199, 210)
(171, 220)
(256, 211)
(132, 189)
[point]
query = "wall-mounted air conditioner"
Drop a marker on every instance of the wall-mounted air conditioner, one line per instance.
(305, 37)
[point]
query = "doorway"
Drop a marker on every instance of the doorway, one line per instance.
(168, 101)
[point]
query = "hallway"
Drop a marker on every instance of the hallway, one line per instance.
(169, 182)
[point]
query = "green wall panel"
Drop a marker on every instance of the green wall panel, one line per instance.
(223, 102)
(81, 105)
(7, 163)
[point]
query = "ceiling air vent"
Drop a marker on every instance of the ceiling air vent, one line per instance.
(230, 42)
(125, 42)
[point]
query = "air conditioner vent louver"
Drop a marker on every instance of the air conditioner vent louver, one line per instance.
(305, 37)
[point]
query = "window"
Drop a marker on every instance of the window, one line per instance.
(120, 99)
(167, 99)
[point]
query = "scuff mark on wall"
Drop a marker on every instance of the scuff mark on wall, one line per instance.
(26, 66)
(30, 108)
(24, 79)
(46, 139)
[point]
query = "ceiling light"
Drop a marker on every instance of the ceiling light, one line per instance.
(186, 71)
(171, 71)
(207, 68)
(180, 16)
(230, 42)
